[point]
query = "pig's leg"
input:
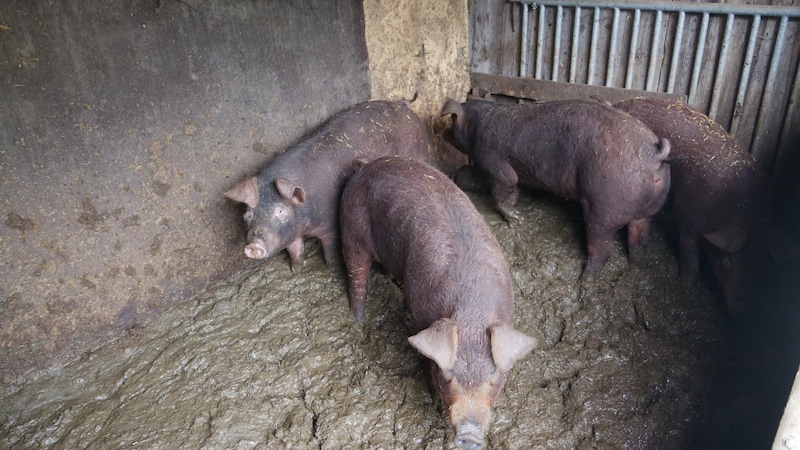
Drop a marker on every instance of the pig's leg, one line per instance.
(358, 263)
(505, 191)
(331, 248)
(689, 264)
(638, 238)
(296, 250)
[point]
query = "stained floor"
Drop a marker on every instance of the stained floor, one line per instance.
(273, 359)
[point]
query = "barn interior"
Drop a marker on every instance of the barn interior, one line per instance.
(129, 316)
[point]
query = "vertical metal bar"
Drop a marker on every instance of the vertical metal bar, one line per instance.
(766, 99)
(791, 111)
(745, 79)
(539, 41)
(652, 75)
(612, 51)
(576, 36)
(631, 69)
(593, 45)
(718, 77)
(698, 62)
(557, 42)
(523, 56)
(676, 50)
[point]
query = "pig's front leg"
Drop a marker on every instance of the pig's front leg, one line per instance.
(505, 191)
(296, 251)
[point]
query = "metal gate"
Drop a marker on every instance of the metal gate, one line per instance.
(737, 63)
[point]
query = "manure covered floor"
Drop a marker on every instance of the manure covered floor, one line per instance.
(273, 359)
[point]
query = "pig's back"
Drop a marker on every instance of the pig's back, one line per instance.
(707, 164)
(562, 142)
(427, 233)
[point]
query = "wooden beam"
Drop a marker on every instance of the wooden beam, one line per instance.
(543, 91)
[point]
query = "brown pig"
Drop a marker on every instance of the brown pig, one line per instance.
(426, 233)
(581, 150)
(721, 198)
(296, 196)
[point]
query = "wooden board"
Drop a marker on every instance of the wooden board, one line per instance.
(529, 88)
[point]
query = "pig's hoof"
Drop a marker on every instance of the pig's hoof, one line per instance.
(511, 216)
(358, 312)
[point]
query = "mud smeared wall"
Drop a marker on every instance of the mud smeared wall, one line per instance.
(418, 46)
(121, 124)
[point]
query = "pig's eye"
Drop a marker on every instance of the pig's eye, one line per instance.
(445, 377)
(494, 376)
(281, 214)
(248, 215)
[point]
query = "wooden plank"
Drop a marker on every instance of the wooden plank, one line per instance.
(540, 90)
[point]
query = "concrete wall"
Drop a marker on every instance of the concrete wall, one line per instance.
(420, 46)
(121, 123)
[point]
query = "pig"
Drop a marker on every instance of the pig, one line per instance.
(425, 232)
(720, 200)
(296, 196)
(581, 150)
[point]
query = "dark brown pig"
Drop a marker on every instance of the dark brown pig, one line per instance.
(720, 197)
(585, 151)
(426, 233)
(297, 195)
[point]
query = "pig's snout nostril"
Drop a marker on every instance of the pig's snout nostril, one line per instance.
(468, 442)
(469, 436)
(255, 251)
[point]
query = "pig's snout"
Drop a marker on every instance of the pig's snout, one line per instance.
(469, 436)
(255, 250)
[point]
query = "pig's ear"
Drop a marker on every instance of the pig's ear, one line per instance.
(730, 238)
(289, 191)
(438, 342)
(453, 107)
(509, 345)
(245, 192)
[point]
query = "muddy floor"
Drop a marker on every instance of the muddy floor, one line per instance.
(273, 359)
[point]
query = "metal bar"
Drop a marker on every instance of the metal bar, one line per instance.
(723, 59)
(689, 7)
(745, 78)
(630, 70)
(612, 51)
(766, 98)
(576, 36)
(593, 45)
(523, 53)
(539, 41)
(676, 50)
(791, 111)
(557, 43)
(698, 62)
(652, 73)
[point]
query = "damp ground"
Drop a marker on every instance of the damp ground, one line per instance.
(273, 359)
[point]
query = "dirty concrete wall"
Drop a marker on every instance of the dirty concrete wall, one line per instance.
(423, 47)
(121, 122)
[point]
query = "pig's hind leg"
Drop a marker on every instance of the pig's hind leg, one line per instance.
(358, 262)
(638, 238)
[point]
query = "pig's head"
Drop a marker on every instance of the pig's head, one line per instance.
(271, 219)
(468, 372)
(457, 134)
(742, 260)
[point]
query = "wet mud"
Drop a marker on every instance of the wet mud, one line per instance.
(274, 359)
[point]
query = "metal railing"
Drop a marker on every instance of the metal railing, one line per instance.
(658, 51)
